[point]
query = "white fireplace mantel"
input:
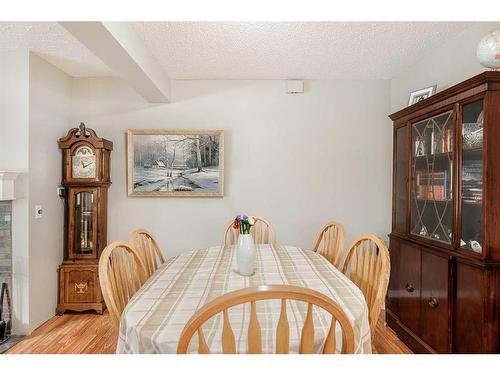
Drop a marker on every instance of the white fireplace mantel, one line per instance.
(7, 178)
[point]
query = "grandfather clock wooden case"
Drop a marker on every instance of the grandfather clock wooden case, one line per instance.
(86, 179)
(444, 290)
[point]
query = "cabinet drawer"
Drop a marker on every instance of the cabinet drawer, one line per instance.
(434, 302)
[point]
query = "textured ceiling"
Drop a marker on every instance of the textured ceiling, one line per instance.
(280, 50)
(54, 44)
(235, 50)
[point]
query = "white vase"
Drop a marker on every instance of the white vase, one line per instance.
(245, 254)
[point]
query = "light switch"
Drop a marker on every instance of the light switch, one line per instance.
(38, 212)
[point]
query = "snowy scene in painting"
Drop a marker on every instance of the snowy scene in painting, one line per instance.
(176, 163)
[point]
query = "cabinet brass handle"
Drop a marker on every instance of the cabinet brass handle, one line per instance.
(409, 288)
(433, 303)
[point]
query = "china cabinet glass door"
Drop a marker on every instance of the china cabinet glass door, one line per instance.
(472, 177)
(401, 183)
(84, 223)
(432, 176)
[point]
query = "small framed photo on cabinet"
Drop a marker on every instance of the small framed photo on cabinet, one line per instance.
(419, 95)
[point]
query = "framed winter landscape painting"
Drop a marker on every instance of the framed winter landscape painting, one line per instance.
(175, 163)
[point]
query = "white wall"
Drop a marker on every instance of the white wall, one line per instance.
(49, 119)
(451, 63)
(34, 113)
(298, 160)
(14, 83)
(14, 135)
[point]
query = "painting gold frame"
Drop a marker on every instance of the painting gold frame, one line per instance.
(131, 133)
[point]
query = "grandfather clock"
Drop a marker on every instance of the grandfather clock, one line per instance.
(86, 179)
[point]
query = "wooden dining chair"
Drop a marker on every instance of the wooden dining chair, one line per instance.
(262, 232)
(148, 249)
(330, 242)
(368, 266)
(254, 339)
(121, 274)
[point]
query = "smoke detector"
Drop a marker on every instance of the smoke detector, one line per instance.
(294, 86)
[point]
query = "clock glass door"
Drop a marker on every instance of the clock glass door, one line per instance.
(85, 223)
(432, 168)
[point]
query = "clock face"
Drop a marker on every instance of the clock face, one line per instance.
(83, 163)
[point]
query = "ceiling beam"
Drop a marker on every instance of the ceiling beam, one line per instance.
(121, 49)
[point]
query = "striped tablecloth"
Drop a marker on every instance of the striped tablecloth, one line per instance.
(153, 320)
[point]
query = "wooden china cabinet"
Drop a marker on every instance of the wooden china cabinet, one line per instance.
(86, 179)
(444, 290)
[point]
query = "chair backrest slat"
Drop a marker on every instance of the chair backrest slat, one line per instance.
(373, 269)
(121, 274)
(228, 343)
(307, 336)
(365, 265)
(368, 266)
(254, 331)
(254, 343)
(144, 249)
(283, 331)
(330, 242)
(148, 249)
(262, 232)
(202, 344)
(331, 341)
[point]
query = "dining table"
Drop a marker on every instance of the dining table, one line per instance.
(155, 316)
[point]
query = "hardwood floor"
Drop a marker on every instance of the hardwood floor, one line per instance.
(385, 340)
(71, 333)
(74, 333)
